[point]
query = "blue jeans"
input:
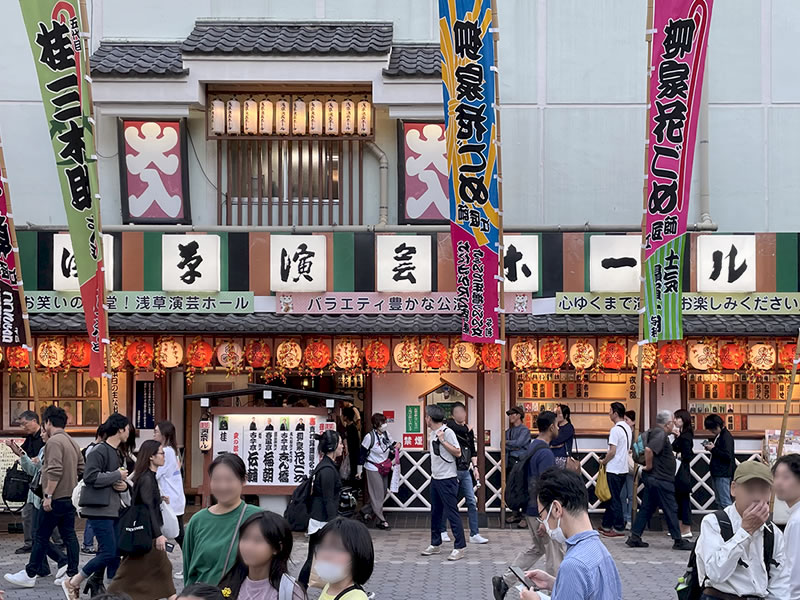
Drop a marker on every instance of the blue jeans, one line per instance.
(62, 516)
(444, 504)
(52, 552)
(88, 535)
(107, 557)
(613, 517)
(657, 492)
(722, 491)
(466, 489)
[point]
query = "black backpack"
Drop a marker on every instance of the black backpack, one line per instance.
(464, 462)
(517, 492)
(690, 588)
(298, 512)
(16, 484)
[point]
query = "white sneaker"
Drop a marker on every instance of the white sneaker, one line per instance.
(61, 572)
(60, 580)
(178, 575)
(456, 555)
(478, 539)
(21, 579)
(430, 550)
(445, 537)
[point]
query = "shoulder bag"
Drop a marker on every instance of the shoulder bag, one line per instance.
(233, 538)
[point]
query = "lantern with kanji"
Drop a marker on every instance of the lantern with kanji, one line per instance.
(376, 355)
(732, 356)
(673, 355)
(230, 356)
(117, 352)
(78, 354)
(169, 353)
(434, 355)
(786, 355)
(140, 354)
(762, 356)
(17, 358)
(346, 356)
(649, 354)
(523, 355)
(406, 355)
(611, 355)
(50, 354)
(552, 354)
(464, 355)
(317, 355)
(702, 356)
(257, 354)
(288, 355)
(581, 354)
(491, 356)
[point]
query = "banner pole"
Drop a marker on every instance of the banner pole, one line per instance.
(787, 408)
(12, 232)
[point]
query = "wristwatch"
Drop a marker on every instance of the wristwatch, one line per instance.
(48, 496)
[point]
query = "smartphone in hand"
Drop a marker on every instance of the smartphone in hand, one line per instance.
(169, 547)
(520, 574)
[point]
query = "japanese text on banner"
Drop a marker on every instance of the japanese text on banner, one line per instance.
(12, 330)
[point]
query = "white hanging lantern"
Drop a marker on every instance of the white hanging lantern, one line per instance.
(315, 117)
(348, 117)
(331, 117)
(218, 117)
(282, 117)
(265, 117)
(364, 117)
(234, 117)
(299, 117)
(250, 116)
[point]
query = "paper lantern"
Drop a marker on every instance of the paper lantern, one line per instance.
(315, 117)
(762, 356)
(169, 353)
(612, 355)
(464, 355)
(346, 355)
(117, 351)
(364, 117)
(348, 117)
(50, 354)
(434, 355)
(299, 117)
(282, 117)
(317, 355)
(230, 355)
(376, 355)
(786, 355)
(217, 117)
(250, 117)
(673, 355)
(582, 354)
(79, 353)
(233, 113)
(491, 356)
(140, 354)
(732, 356)
(288, 354)
(257, 354)
(18, 357)
(406, 355)
(523, 355)
(702, 356)
(552, 354)
(332, 119)
(266, 115)
(199, 354)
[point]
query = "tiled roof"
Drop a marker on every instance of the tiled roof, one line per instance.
(413, 324)
(415, 60)
(145, 59)
(272, 37)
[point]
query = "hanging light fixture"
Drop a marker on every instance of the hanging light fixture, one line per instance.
(282, 117)
(250, 117)
(299, 117)
(315, 117)
(234, 117)
(331, 117)
(364, 117)
(348, 117)
(265, 117)
(217, 117)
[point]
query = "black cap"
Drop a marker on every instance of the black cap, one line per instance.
(516, 409)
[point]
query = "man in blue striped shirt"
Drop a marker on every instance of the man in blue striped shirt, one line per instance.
(588, 572)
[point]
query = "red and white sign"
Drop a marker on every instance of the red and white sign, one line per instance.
(425, 196)
(413, 441)
(337, 303)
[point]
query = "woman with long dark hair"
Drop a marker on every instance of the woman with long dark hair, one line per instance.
(683, 446)
(169, 474)
(261, 568)
(377, 450)
(564, 441)
(147, 576)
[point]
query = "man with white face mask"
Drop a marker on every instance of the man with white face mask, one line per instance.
(587, 571)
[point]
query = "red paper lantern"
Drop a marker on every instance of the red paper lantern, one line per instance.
(17, 357)
(377, 355)
(199, 354)
(673, 355)
(140, 354)
(612, 355)
(786, 355)
(434, 355)
(317, 355)
(491, 355)
(79, 353)
(552, 354)
(732, 356)
(257, 354)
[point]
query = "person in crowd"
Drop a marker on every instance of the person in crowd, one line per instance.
(616, 463)
(518, 438)
(352, 441)
(88, 533)
(32, 466)
(683, 445)
(127, 450)
(169, 474)
(345, 559)
(212, 533)
(326, 489)
(201, 591)
(261, 569)
(626, 494)
(588, 571)
(444, 450)
(540, 459)
(29, 423)
(378, 448)
(104, 482)
(468, 474)
(659, 485)
(357, 420)
(733, 564)
(787, 488)
(723, 460)
(564, 443)
(63, 464)
(147, 576)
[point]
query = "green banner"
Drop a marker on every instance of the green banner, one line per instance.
(692, 303)
(146, 302)
(413, 424)
(663, 287)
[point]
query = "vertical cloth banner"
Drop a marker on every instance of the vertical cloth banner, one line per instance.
(54, 31)
(680, 41)
(471, 131)
(12, 328)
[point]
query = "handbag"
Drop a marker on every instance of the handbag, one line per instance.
(16, 484)
(344, 469)
(170, 528)
(384, 467)
(134, 531)
(573, 464)
(601, 489)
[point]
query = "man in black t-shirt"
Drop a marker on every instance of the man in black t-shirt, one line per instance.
(29, 423)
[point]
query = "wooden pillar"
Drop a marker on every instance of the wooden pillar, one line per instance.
(480, 427)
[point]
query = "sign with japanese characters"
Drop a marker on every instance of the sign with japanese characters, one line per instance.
(521, 263)
(65, 270)
(471, 131)
(413, 421)
(692, 303)
(12, 330)
(153, 171)
(413, 441)
(726, 263)
(166, 303)
(190, 263)
(614, 263)
(680, 40)
(403, 263)
(298, 263)
(204, 436)
(340, 303)
(60, 55)
(423, 182)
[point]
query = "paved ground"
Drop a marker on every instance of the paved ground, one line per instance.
(402, 573)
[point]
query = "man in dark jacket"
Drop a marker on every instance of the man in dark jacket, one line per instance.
(29, 423)
(723, 460)
(518, 438)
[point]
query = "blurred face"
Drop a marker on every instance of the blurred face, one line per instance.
(678, 423)
(559, 415)
(514, 419)
(629, 421)
(787, 485)
(125, 433)
(612, 415)
(336, 560)
(157, 435)
(459, 414)
(157, 459)
(750, 493)
(668, 426)
(255, 550)
(339, 449)
(45, 437)
(225, 484)
(28, 426)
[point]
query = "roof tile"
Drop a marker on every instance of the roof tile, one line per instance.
(152, 59)
(414, 60)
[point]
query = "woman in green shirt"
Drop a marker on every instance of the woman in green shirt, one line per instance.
(213, 533)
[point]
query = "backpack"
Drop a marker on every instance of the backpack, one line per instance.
(16, 484)
(689, 588)
(464, 462)
(299, 508)
(517, 493)
(637, 450)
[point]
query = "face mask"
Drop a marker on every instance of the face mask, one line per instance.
(384, 427)
(330, 572)
(555, 534)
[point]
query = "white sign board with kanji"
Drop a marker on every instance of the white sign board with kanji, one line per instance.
(726, 263)
(521, 263)
(403, 263)
(615, 263)
(298, 263)
(190, 263)
(65, 269)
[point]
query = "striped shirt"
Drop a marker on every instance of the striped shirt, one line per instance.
(588, 572)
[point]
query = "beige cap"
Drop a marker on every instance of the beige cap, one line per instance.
(752, 469)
